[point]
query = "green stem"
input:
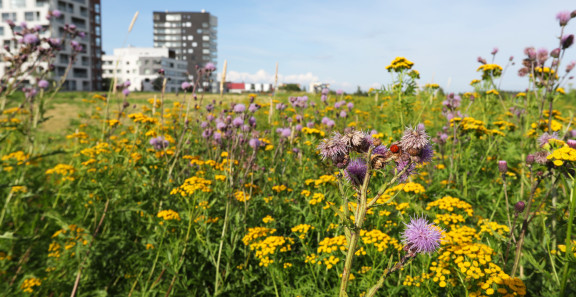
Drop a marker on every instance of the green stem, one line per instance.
(217, 280)
(569, 244)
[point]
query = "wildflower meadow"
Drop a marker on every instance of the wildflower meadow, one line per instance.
(407, 190)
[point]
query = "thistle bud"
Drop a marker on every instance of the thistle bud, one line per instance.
(530, 159)
(519, 206)
(503, 166)
(571, 143)
(555, 53)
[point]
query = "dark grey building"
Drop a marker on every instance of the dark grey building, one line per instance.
(192, 36)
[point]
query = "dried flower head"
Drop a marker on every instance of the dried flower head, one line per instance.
(358, 141)
(421, 236)
(541, 157)
(414, 138)
(336, 149)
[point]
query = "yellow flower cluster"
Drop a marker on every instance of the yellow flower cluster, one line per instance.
(492, 92)
(563, 154)
(316, 198)
(19, 189)
(302, 229)
(279, 188)
(267, 219)
(492, 227)
(432, 86)
(313, 131)
(73, 234)
(191, 185)
(64, 170)
(255, 233)
(242, 196)
(410, 187)
(416, 280)
(504, 125)
(474, 81)
(331, 244)
(399, 64)
(331, 261)
(99, 148)
(265, 248)
(168, 215)
(543, 126)
(490, 70)
(321, 180)
(449, 219)
(19, 157)
(141, 118)
(469, 124)
(29, 284)
(450, 203)
(379, 239)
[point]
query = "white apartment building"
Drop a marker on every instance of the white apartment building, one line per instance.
(86, 72)
(141, 66)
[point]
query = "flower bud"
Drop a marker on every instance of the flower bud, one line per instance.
(519, 206)
(555, 53)
(567, 41)
(571, 143)
(503, 166)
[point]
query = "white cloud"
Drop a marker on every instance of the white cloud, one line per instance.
(261, 76)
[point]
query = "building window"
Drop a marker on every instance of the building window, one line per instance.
(188, 24)
(40, 3)
(204, 25)
(1, 4)
(205, 37)
(194, 44)
(18, 3)
(9, 16)
(190, 37)
(199, 31)
(173, 17)
(97, 8)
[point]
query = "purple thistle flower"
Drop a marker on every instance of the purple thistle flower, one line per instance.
(571, 143)
(325, 120)
(220, 125)
(343, 114)
(503, 166)
(254, 143)
(415, 138)
(324, 98)
(426, 154)
(237, 122)
(494, 51)
(238, 108)
(555, 53)
(325, 91)
(310, 124)
(280, 106)
(380, 150)
(567, 41)
(127, 83)
(563, 17)
(30, 39)
(207, 133)
(350, 106)
(159, 143)
(210, 66)
(252, 121)
(421, 236)
(126, 92)
(185, 85)
(543, 140)
(217, 136)
(356, 172)
(284, 132)
(43, 84)
(330, 124)
(253, 107)
(332, 147)
(400, 165)
(56, 13)
(298, 127)
(204, 125)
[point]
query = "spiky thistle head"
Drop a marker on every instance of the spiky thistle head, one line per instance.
(421, 236)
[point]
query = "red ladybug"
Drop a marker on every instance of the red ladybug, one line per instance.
(394, 148)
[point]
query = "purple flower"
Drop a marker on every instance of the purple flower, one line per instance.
(530, 52)
(284, 132)
(325, 120)
(280, 106)
(415, 138)
(310, 124)
(350, 106)
(356, 172)
(252, 121)
(494, 51)
(324, 98)
(542, 55)
(30, 39)
(298, 127)
(185, 85)
(543, 140)
(400, 165)
(571, 143)
(56, 13)
(330, 124)
(210, 66)
(555, 53)
(380, 150)
(563, 17)
(43, 84)
(253, 107)
(567, 41)
(207, 133)
(343, 114)
(421, 236)
(519, 206)
(127, 83)
(503, 166)
(254, 143)
(220, 125)
(237, 122)
(339, 92)
(159, 143)
(570, 66)
(325, 91)
(204, 125)
(217, 136)
(126, 92)
(238, 108)
(210, 117)
(333, 147)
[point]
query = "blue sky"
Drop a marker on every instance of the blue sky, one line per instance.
(349, 43)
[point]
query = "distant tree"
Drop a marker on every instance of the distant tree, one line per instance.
(290, 88)
(157, 83)
(359, 92)
(106, 83)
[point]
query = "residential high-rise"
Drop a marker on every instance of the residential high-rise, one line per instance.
(192, 36)
(86, 72)
(141, 66)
